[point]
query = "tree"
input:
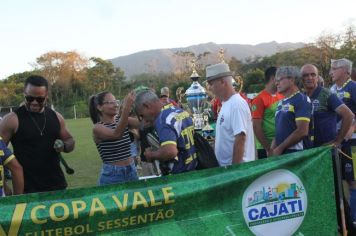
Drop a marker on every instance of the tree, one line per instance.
(253, 81)
(104, 76)
(61, 69)
(348, 48)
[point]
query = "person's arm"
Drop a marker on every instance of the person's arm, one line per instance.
(65, 136)
(347, 117)
(257, 128)
(8, 126)
(257, 112)
(17, 176)
(102, 132)
(273, 146)
(239, 148)
(297, 135)
(164, 153)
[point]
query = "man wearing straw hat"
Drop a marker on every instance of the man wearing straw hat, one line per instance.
(234, 141)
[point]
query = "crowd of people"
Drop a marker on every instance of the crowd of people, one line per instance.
(293, 112)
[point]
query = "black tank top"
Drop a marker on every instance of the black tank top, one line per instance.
(35, 152)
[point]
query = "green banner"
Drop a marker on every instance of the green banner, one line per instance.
(287, 195)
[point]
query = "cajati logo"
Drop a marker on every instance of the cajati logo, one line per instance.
(275, 203)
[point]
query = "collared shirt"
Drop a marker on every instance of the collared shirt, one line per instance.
(347, 94)
(174, 126)
(289, 111)
(324, 117)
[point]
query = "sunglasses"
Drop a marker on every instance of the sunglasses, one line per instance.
(38, 99)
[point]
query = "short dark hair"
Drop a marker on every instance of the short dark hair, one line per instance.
(269, 72)
(36, 80)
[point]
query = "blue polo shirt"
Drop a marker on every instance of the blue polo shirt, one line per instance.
(347, 94)
(5, 157)
(289, 110)
(324, 117)
(174, 126)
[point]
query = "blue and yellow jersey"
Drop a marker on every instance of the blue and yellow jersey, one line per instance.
(5, 157)
(324, 116)
(347, 94)
(289, 110)
(174, 126)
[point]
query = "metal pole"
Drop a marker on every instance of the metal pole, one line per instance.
(75, 112)
(340, 190)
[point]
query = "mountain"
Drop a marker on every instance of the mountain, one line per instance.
(169, 60)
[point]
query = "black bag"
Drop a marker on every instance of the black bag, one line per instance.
(205, 153)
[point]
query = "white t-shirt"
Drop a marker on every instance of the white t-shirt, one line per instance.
(234, 118)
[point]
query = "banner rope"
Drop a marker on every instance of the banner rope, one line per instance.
(344, 154)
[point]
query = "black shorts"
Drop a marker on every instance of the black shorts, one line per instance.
(348, 165)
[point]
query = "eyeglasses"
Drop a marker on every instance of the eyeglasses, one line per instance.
(116, 102)
(306, 75)
(38, 99)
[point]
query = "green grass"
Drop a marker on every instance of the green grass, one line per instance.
(85, 158)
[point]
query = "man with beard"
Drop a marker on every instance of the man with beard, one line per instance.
(33, 130)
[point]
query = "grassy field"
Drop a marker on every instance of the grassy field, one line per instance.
(85, 158)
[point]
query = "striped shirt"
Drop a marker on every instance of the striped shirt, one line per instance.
(115, 149)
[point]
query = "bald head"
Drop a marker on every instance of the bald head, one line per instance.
(310, 77)
(309, 67)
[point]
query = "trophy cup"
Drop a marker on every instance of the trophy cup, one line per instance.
(196, 97)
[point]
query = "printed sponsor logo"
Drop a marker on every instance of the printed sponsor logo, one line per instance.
(275, 204)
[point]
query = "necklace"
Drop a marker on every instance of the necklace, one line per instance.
(37, 125)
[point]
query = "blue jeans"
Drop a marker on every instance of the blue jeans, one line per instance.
(112, 174)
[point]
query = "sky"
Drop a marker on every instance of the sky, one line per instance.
(112, 28)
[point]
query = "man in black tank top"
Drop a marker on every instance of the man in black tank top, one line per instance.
(32, 130)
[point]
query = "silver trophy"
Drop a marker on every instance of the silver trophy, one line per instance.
(196, 97)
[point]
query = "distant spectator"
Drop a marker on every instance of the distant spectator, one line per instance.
(164, 97)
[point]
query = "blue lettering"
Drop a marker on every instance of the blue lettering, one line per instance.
(292, 203)
(300, 205)
(251, 212)
(274, 213)
(283, 209)
(264, 213)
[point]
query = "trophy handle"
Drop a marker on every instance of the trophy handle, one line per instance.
(179, 94)
(239, 81)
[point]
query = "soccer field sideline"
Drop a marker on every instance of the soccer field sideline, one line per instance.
(85, 158)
